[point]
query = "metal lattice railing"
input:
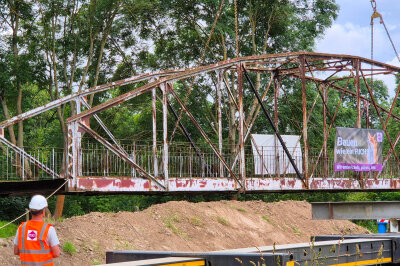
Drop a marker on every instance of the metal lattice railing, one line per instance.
(182, 162)
(13, 166)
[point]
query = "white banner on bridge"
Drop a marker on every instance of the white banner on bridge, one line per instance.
(267, 156)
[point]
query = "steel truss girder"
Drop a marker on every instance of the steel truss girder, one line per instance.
(279, 64)
(83, 93)
(181, 74)
(349, 93)
(256, 60)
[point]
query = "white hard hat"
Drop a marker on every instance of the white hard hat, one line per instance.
(38, 202)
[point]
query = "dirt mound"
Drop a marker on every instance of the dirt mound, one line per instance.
(184, 226)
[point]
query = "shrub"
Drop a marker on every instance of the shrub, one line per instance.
(12, 207)
(7, 231)
(69, 248)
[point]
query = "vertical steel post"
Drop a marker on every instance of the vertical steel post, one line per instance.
(220, 74)
(78, 158)
(276, 96)
(9, 157)
(67, 153)
(366, 104)
(75, 150)
(325, 95)
(356, 65)
(241, 124)
(304, 100)
(53, 162)
(72, 152)
(23, 165)
(164, 89)
(134, 158)
(154, 102)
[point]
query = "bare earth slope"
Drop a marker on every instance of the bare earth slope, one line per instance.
(184, 226)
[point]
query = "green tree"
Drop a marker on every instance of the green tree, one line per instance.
(180, 30)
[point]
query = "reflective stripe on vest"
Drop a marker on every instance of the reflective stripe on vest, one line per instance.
(38, 263)
(29, 255)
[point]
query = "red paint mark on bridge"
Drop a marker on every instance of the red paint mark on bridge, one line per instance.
(127, 183)
(203, 183)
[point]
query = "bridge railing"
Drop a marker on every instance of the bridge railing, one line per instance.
(14, 167)
(183, 161)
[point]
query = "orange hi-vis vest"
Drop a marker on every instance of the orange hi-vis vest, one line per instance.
(33, 249)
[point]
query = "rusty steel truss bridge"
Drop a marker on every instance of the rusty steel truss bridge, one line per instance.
(110, 166)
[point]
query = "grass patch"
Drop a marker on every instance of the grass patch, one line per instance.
(51, 220)
(7, 231)
(195, 221)
(266, 218)
(69, 248)
(296, 231)
(371, 225)
(222, 221)
(96, 246)
(169, 222)
(171, 226)
(175, 219)
(122, 244)
(96, 262)
(241, 209)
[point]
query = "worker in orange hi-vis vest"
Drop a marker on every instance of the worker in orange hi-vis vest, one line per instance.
(36, 242)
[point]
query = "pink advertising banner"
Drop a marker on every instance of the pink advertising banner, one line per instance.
(358, 149)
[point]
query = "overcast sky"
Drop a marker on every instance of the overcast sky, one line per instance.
(351, 32)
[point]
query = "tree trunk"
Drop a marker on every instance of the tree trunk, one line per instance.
(7, 116)
(25, 170)
(59, 207)
(102, 45)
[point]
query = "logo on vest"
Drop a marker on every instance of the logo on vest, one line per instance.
(32, 235)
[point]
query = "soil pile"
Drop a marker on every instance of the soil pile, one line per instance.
(184, 226)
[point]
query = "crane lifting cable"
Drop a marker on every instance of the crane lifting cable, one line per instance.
(374, 15)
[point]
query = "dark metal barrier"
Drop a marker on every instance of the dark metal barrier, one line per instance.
(212, 258)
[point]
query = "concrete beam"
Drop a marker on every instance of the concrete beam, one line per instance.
(362, 210)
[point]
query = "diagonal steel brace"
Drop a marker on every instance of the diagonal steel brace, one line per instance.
(104, 127)
(30, 158)
(299, 175)
(189, 114)
(120, 154)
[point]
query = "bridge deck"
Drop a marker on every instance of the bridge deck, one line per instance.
(182, 185)
(24, 188)
(123, 185)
